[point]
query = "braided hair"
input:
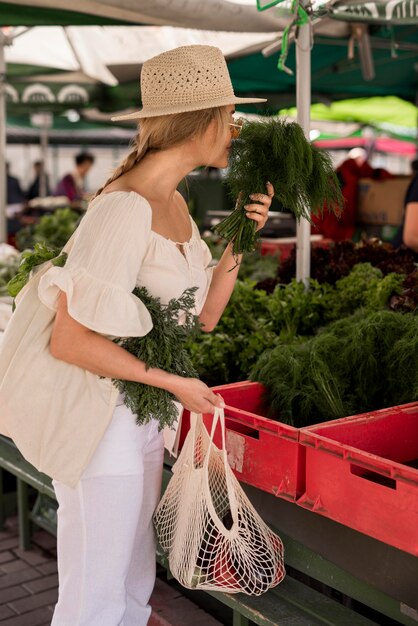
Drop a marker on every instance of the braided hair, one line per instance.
(164, 132)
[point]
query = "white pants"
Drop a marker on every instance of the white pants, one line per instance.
(106, 544)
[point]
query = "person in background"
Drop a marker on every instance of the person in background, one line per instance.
(72, 185)
(349, 172)
(410, 226)
(34, 190)
(14, 191)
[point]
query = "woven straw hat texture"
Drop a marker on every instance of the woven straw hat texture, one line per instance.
(189, 78)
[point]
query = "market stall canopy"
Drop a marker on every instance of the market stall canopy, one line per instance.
(334, 75)
(66, 129)
(106, 55)
(110, 54)
(389, 114)
(376, 11)
(386, 145)
(52, 65)
(233, 15)
(207, 14)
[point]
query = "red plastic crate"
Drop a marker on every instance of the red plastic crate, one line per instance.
(362, 471)
(262, 452)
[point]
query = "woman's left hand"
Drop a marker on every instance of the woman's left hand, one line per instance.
(260, 212)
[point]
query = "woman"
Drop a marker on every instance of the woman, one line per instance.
(137, 231)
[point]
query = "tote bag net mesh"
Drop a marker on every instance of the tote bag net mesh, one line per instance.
(214, 538)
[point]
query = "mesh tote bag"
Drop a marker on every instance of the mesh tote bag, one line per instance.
(214, 538)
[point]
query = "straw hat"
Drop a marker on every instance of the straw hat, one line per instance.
(189, 78)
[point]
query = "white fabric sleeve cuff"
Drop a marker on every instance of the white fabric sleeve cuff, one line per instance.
(98, 305)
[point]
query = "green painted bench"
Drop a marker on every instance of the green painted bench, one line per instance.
(26, 476)
(292, 603)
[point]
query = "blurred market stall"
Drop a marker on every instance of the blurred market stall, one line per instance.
(391, 39)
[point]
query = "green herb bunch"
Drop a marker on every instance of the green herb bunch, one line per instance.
(29, 260)
(162, 347)
(243, 332)
(8, 270)
(361, 363)
(302, 176)
(53, 230)
(365, 286)
(255, 321)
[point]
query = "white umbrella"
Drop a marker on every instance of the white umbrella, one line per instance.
(109, 54)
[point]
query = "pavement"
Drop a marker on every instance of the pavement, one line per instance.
(29, 586)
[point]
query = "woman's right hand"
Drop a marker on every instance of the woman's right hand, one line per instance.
(195, 396)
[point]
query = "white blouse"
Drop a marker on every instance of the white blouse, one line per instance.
(114, 251)
(56, 412)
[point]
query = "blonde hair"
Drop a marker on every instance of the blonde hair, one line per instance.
(167, 131)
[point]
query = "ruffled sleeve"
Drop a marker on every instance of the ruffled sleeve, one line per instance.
(102, 267)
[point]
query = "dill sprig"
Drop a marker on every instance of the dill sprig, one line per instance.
(163, 347)
(302, 176)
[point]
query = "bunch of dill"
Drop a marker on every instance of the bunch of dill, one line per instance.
(302, 176)
(163, 347)
(361, 363)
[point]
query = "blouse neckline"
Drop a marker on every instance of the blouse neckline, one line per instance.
(154, 232)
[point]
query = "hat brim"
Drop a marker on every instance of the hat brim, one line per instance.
(185, 108)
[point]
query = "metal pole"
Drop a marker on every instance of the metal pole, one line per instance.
(3, 181)
(44, 154)
(303, 104)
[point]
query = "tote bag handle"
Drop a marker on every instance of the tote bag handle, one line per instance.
(218, 416)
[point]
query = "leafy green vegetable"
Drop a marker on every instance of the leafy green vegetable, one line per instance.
(365, 286)
(362, 363)
(302, 176)
(402, 368)
(53, 230)
(295, 310)
(8, 269)
(162, 347)
(214, 356)
(406, 297)
(255, 266)
(31, 259)
(242, 333)
(255, 321)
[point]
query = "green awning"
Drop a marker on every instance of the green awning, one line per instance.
(16, 15)
(376, 12)
(334, 76)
